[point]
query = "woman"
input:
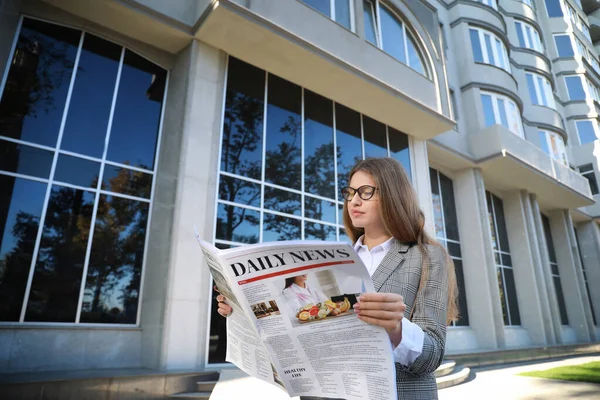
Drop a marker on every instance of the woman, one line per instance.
(412, 274)
(297, 293)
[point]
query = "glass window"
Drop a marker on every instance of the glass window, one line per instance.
(540, 90)
(554, 9)
(554, 145)
(104, 79)
(506, 282)
(337, 10)
(575, 87)
(21, 206)
(501, 110)
(491, 3)
(587, 171)
(488, 48)
(370, 22)
(446, 231)
(528, 36)
(307, 140)
(586, 129)
(555, 271)
(587, 287)
(395, 38)
(35, 93)
(564, 46)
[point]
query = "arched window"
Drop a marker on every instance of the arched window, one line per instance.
(488, 48)
(499, 109)
(385, 29)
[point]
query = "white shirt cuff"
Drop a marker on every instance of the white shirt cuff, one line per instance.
(411, 346)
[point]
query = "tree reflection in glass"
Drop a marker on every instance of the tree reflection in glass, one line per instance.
(21, 202)
(319, 171)
(348, 141)
(59, 266)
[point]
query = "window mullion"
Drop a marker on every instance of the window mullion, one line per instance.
(377, 16)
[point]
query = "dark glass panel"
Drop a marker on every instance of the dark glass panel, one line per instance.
(319, 5)
(348, 142)
(25, 160)
(511, 294)
(21, 202)
(92, 97)
(283, 201)
(549, 241)
(284, 134)
(450, 219)
(497, 258)
(112, 286)
(126, 181)
(506, 260)
(223, 246)
(34, 97)
(587, 288)
(560, 297)
(436, 199)
(77, 171)
(503, 298)
(454, 249)
(241, 151)
(59, 266)
(319, 209)
(375, 138)
(239, 191)
(313, 231)
(501, 224)
(276, 228)
(399, 149)
(136, 122)
(218, 332)
(462, 295)
(554, 268)
(237, 224)
(319, 173)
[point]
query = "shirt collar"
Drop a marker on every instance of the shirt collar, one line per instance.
(384, 246)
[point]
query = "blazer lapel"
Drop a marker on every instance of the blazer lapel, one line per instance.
(389, 264)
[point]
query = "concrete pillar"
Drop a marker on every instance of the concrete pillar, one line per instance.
(571, 275)
(543, 273)
(519, 240)
(197, 96)
(481, 284)
(588, 238)
(422, 183)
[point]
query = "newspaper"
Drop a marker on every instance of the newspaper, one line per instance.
(303, 336)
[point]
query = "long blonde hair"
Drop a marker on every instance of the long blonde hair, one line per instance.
(402, 218)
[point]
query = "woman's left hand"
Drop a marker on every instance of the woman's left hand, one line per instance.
(385, 310)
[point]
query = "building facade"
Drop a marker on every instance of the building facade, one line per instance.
(124, 123)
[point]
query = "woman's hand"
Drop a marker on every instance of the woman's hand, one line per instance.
(223, 308)
(385, 310)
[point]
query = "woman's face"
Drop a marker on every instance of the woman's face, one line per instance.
(365, 214)
(300, 280)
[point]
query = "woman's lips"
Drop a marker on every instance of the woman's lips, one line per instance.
(356, 213)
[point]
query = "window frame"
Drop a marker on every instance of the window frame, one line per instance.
(98, 191)
(595, 128)
(573, 49)
(522, 27)
(332, 14)
(590, 175)
(560, 155)
(490, 3)
(542, 88)
(406, 36)
(483, 48)
(508, 103)
(554, 271)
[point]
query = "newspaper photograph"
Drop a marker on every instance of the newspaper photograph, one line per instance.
(293, 324)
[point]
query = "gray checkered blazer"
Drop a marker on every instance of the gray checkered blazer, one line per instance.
(400, 272)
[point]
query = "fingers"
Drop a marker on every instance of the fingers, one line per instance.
(223, 308)
(382, 309)
(381, 297)
(388, 324)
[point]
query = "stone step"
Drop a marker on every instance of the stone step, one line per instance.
(458, 376)
(446, 368)
(191, 395)
(206, 386)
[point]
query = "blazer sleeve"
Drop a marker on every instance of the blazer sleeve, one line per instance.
(430, 314)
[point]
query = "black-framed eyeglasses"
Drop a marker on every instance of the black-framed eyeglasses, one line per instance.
(365, 192)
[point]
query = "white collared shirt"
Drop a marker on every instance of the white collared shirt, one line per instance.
(411, 345)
